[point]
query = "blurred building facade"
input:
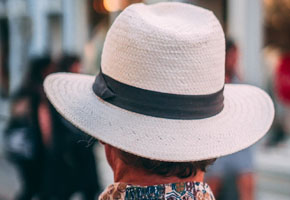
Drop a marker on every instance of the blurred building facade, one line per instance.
(38, 27)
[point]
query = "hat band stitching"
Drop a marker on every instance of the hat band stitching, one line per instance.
(157, 104)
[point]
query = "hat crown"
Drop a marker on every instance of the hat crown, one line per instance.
(166, 47)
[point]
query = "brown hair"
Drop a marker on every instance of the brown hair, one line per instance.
(166, 169)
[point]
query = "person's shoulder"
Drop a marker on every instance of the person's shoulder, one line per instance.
(186, 190)
(114, 191)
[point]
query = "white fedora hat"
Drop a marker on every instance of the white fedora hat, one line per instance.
(161, 93)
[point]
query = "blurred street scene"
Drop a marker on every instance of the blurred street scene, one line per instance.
(41, 152)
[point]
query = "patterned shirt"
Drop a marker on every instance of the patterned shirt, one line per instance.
(172, 191)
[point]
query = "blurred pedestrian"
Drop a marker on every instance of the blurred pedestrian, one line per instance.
(23, 137)
(71, 165)
(159, 104)
(282, 91)
(232, 176)
(277, 42)
(4, 55)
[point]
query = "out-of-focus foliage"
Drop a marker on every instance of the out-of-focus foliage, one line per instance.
(277, 23)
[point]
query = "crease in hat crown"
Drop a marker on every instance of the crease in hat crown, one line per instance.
(166, 47)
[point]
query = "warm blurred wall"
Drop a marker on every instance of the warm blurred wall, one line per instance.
(277, 24)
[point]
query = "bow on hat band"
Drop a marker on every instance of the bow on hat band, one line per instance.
(157, 104)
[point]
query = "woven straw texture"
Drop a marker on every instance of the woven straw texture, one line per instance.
(167, 47)
(246, 117)
(174, 48)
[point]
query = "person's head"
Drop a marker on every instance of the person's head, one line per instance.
(231, 57)
(20, 105)
(38, 68)
(68, 63)
(161, 93)
(117, 158)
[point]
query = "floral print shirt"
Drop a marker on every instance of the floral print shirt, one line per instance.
(173, 191)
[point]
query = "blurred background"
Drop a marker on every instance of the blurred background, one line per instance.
(40, 157)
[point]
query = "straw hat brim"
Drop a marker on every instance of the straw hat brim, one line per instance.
(247, 116)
